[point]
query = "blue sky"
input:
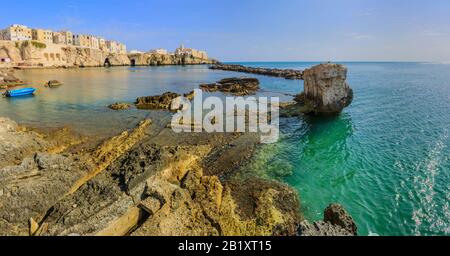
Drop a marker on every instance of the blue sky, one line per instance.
(256, 30)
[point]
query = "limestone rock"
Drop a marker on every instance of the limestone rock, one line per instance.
(163, 101)
(119, 106)
(337, 215)
(326, 89)
(336, 222)
(53, 83)
(236, 86)
(284, 73)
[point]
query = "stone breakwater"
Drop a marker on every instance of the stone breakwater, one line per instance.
(148, 181)
(283, 73)
(33, 55)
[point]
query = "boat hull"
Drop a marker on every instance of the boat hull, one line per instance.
(20, 92)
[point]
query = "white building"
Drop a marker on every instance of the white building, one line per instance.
(16, 33)
(160, 51)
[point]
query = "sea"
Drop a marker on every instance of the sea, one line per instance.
(385, 158)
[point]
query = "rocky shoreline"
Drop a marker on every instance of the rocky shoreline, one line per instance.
(28, 55)
(144, 182)
(151, 181)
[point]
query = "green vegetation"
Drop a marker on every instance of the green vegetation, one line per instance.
(38, 45)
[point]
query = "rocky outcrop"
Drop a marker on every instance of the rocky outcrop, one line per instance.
(28, 190)
(86, 57)
(162, 190)
(18, 142)
(119, 106)
(7, 79)
(283, 73)
(140, 185)
(336, 222)
(53, 83)
(235, 86)
(326, 90)
(155, 59)
(163, 101)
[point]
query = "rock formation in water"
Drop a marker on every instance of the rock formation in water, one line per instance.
(284, 73)
(236, 86)
(155, 59)
(119, 106)
(336, 222)
(326, 90)
(163, 101)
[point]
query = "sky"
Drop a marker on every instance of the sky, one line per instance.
(256, 30)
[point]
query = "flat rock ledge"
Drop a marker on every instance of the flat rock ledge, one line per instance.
(119, 106)
(8, 80)
(283, 73)
(236, 86)
(163, 101)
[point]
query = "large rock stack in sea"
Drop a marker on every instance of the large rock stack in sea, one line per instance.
(326, 90)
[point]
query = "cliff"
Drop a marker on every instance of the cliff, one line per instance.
(154, 59)
(37, 54)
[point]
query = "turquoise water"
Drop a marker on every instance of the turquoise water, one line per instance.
(385, 158)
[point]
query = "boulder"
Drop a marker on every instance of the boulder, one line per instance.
(326, 90)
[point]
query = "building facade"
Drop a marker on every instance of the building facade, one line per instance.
(16, 33)
(68, 37)
(116, 47)
(160, 51)
(23, 33)
(42, 35)
(82, 41)
(59, 38)
(191, 52)
(94, 42)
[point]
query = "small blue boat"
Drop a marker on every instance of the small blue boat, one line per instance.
(20, 92)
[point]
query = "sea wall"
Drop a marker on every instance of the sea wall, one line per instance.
(37, 54)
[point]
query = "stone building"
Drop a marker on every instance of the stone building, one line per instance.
(42, 35)
(160, 51)
(82, 40)
(16, 33)
(102, 44)
(191, 52)
(68, 37)
(59, 38)
(94, 42)
(116, 47)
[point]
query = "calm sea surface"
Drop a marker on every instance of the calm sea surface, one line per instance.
(386, 158)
